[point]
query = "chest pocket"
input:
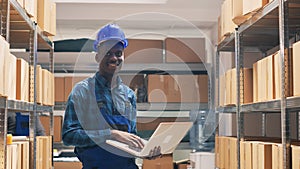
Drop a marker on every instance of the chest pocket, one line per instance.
(116, 113)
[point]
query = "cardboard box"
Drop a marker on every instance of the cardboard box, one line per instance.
(231, 85)
(22, 161)
(133, 81)
(178, 88)
(57, 124)
(39, 87)
(261, 155)
(21, 2)
(69, 84)
(262, 80)
(277, 76)
(65, 165)
(4, 52)
(222, 90)
(30, 7)
(217, 151)
(233, 152)
(22, 81)
(295, 157)
(255, 82)
(277, 156)
(296, 68)
(270, 77)
(202, 160)
(43, 152)
(165, 162)
(44, 17)
(144, 51)
(10, 76)
(228, 25)
(182, 166)
(45, 93)
(237, 12)
(59, 89)
(246, 155)
(259, 81)
(52, 31)
(188, 50)
(228, 88)
(253, 5)
(265, 156)
(51, 89)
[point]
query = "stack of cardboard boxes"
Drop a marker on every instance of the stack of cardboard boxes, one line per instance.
(43, 12)
(18, 155)
(263, 82)
(255, 153)
(235, 12)
(15, 79)
(43, 152)
(57, 124)
(178, 88)
(228, 87)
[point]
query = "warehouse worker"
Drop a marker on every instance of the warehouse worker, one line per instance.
(102, 107)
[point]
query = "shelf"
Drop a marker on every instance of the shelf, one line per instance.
(157, 114)
(270, 106)
(155, 106)
(227, 109)
(171, 106)
(128, 68)
(172, 68)
(15, 105)
(20, 27)
(261, 31)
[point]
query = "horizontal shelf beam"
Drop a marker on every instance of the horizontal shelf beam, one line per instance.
(172, 106)
(155, 106)
(15, 105)
(270, 106)
(172, 68)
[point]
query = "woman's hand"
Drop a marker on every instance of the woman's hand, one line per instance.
(128, 138)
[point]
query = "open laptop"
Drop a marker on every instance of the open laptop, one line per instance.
(167, 135)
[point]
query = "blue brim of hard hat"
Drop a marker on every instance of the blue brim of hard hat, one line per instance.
(123, 41)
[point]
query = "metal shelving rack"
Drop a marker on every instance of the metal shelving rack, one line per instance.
(21, 32)
(162, 68)
(272, 27)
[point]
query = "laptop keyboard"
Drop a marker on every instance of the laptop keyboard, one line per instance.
(135, 148)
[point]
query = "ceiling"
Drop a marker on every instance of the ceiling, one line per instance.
(153, 19)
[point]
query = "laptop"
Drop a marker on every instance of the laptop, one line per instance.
(167, 135)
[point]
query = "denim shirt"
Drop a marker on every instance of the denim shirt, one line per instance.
(84, 124)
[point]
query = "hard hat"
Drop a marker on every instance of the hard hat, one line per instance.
(110, 32)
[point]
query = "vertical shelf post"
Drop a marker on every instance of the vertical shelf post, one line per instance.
(216, 69)
(4, 19)
(33, 115)
(239, 94)
(51, 69)
(3, 131)
(284, 46)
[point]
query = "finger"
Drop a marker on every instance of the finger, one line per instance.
(150, 153)
(157, 151)
(138, 141)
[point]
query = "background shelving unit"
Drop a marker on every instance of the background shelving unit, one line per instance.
(272, 28)
(23, 33)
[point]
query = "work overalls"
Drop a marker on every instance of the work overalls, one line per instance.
(101, 158)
